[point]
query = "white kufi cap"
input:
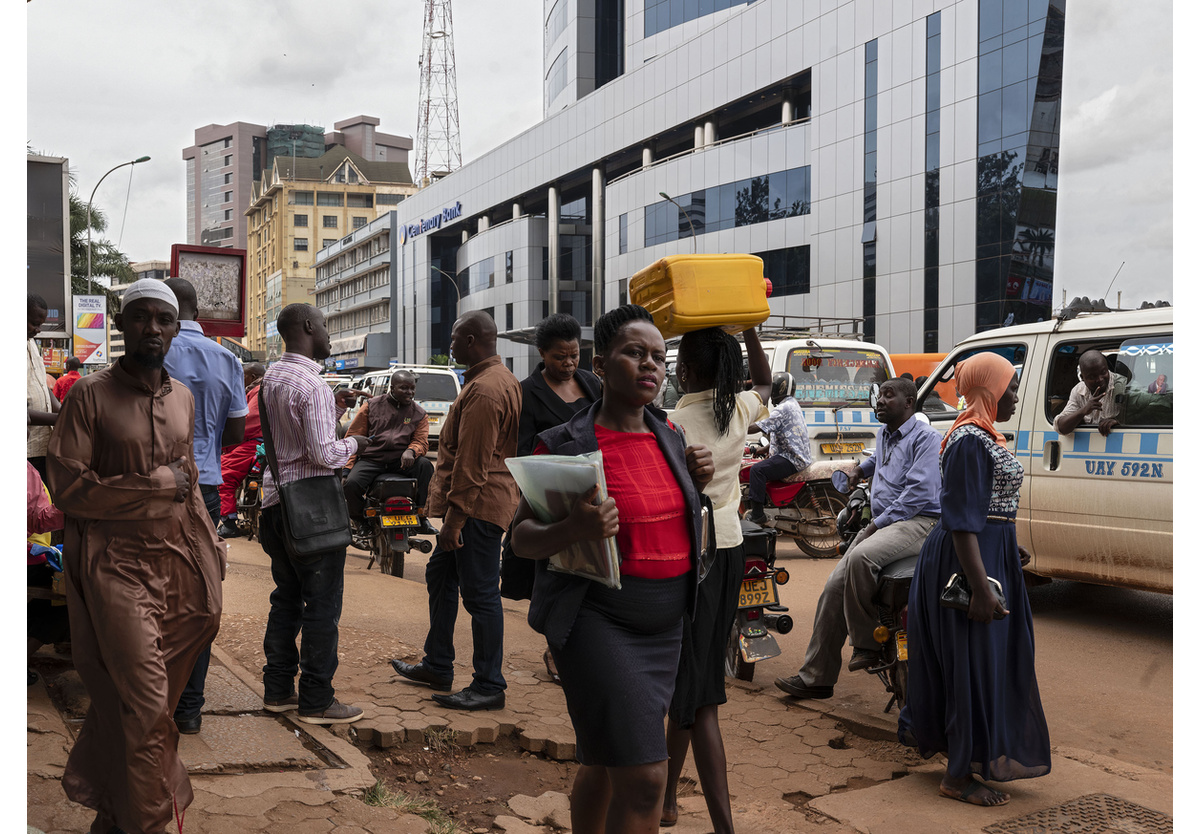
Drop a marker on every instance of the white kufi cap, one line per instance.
(149, 288)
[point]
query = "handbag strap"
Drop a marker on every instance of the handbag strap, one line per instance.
(268, 441)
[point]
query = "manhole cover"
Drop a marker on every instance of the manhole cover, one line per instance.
(1096, 813)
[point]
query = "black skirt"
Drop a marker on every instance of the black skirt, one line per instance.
(701, 678)
(618, 669)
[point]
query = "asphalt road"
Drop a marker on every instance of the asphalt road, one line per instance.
(1104, 659)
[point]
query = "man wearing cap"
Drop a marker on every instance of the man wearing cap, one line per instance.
(214, 376)
(143, 567)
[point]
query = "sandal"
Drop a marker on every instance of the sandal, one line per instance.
(551, 670)
(981, 793)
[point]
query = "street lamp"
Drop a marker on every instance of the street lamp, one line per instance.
(89, 212)
(450, 278)
(665, 196)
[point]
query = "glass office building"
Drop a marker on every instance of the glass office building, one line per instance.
(894, 164)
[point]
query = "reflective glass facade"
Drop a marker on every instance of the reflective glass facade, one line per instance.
(933, 150)
(870, 185)
(1020, 108)
(730, 205)
(663, 14)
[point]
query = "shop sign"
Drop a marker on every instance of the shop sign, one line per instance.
(430, 224)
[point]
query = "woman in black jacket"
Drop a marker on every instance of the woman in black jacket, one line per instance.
(550, 396)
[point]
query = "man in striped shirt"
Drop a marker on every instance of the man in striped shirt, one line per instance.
(301, 413)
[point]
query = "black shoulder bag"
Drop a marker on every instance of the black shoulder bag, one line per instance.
(315, 519)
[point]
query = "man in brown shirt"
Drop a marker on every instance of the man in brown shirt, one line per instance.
(476, 496)
(398, 431)
(143, 567)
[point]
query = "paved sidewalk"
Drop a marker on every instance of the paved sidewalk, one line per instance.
(793, 766)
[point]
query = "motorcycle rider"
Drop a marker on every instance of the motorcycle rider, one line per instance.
(237, 460)
(398, 432)
(789, 451)
(905, 504)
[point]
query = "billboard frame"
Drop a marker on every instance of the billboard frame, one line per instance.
(181, 252)
(68, 330)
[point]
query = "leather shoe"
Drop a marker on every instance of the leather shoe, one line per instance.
(799, 689)
(419, 673)
(424, 528)
(469, 699)
(757, 518)
(188, 726)
(228, 531)
(864, 659)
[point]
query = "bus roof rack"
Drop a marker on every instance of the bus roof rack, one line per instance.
(778, 327)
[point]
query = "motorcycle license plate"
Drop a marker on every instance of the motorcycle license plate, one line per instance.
(901, 645)
(757, 592)
(398, 521)
(841, 448)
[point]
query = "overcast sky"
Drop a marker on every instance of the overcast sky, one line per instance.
(110, 81)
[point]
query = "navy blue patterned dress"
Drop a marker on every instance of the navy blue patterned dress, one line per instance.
(972, 691)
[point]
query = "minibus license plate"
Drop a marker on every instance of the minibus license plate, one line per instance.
(841, 448)
(756, 592)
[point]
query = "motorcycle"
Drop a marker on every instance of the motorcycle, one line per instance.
(249, 496)
(890, 598)
(391, 523)
(758, 605)
(804, 505)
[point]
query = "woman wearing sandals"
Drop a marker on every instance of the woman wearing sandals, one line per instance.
(617, 650)
(972, 692)
(715, 411)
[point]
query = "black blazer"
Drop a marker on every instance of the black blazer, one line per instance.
(543, 409)
(558, 596)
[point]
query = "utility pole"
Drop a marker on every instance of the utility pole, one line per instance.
(437, 150)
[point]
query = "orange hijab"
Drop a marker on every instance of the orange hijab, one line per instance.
(982, 380)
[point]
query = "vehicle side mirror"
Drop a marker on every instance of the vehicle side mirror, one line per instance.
(874, 395)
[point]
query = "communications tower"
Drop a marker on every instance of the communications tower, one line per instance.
(437, 151)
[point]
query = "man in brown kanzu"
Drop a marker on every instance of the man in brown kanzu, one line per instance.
(143, 567)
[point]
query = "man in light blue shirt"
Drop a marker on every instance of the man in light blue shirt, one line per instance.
(789, 451)
(214, 376)
(906, 486)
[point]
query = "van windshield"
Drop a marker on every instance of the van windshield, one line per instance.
(841, 376)
(439, 387)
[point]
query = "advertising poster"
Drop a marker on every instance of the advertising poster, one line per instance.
(90, 345)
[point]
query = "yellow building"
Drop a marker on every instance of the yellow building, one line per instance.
(301, 206)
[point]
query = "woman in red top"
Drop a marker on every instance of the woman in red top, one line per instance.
(617, 650)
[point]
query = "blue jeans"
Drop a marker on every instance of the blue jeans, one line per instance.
(192, 699)
(307, 601)
(774, 468)
(473, 570)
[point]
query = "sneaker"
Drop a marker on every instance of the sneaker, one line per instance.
(291, 702)
(335, 713)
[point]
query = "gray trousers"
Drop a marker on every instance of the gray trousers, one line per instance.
(845, 607)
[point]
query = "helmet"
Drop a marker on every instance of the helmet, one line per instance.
(782, 385)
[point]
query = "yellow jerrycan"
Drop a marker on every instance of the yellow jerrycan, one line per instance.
(693, 292)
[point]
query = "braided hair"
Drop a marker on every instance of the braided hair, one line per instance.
(609, 325)
(715, 357)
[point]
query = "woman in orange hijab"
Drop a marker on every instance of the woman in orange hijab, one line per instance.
(972, 692)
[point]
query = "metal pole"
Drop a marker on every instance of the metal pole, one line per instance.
(663, 194)
(89, 213)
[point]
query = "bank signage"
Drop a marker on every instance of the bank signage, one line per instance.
(430, 224)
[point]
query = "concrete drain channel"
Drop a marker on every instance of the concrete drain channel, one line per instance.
(237, 736)
(1096, 813)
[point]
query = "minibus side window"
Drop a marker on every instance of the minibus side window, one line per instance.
(1150, 394)
(1064, 371)
(937, 407)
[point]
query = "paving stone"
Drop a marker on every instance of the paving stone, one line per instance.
(534, 743)
(544, 809)
(237, 741)
(512, 825)
(560, 749)
(806, 783)
(225, 694)
(835, 757)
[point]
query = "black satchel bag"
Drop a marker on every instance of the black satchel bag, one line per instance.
(315, 519)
